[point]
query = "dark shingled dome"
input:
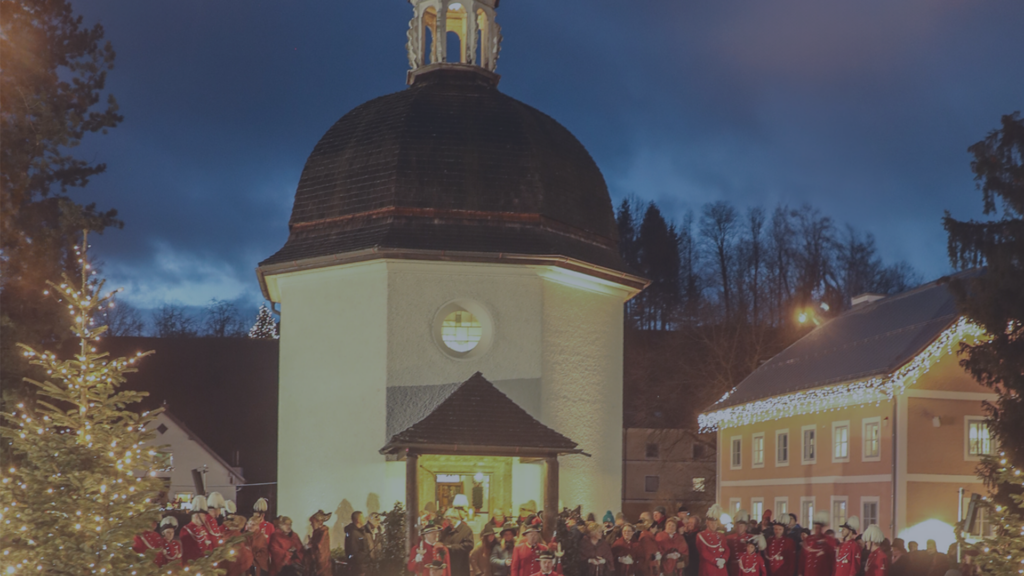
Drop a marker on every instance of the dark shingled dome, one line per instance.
(451, 165)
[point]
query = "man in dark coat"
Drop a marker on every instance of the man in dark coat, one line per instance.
(458, 537)
(357, 545)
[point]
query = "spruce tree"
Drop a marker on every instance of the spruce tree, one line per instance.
(265, 326)
(78, 479)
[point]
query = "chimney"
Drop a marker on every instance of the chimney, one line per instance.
(865, 298)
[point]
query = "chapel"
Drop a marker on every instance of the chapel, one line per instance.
(451, 296)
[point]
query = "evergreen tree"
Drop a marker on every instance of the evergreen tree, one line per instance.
(78, 480)
(1002, 554)
(52, 75)
(265, 326)
(994, 299)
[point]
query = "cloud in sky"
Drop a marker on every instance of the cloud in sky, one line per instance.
(862, 109)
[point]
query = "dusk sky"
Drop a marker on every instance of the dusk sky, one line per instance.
(862, 108)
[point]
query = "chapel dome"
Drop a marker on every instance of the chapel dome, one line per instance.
(450, 166)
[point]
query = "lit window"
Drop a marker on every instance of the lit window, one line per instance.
(756, 508)
(782, 509)
(699, 485)
(872, 439)
(182, 501)
(840, 442)
(652, 483)
(838, 513)
(979, 440)
(737, 453)
(809, 451)
(758, 449)
(782, 448)
(461, 331)
(869, 514)
(807, 511)
(652, 450)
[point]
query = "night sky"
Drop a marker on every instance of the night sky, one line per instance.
(863, 108)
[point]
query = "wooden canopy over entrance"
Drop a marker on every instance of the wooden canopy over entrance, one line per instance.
(478, 419)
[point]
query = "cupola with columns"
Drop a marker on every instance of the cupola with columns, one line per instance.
(472, 20)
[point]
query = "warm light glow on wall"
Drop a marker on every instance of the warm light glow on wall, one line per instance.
(937, 530)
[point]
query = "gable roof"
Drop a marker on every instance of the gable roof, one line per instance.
(869, 340)
(195, 438)
(477, 417)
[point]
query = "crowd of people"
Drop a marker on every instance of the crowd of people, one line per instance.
(261, 548)
(659, 544)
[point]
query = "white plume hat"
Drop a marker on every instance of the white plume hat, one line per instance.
(169, 521)
(199, 504)
(741, 516)
(231, 507)
(715, 512)
(821, 518)
(215, 500)
(261, 506)
(873, 534)
(853, 523)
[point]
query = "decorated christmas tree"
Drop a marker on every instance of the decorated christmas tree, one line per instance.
(1002, 554)
(79, 478)
(265, 326)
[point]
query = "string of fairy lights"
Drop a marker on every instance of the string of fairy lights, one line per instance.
(865, 392)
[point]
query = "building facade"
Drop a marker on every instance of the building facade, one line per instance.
(668, 467)
(869, 415)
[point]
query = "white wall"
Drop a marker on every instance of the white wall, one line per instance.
(187, 455)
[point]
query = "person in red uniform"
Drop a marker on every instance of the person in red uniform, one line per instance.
(737, 541)
(285, 548)
(781, 552)
(241, 560)
(212, 519)
(319, 557)
(877, 563)
(750, 562)
(260, 509)
(711, 546)
(848, 557)
(818, 554)
(172, 548)
(649, 545)
(546, 562)
(148, 540)
(673, 548)
(524, 557)
(628, 553)
(195, 540)
(428, 550)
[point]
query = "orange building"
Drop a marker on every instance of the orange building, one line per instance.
(869, 415)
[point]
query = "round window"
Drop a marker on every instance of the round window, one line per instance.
(461, 331)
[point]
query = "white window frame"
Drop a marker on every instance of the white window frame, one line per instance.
(789, 447)
(733, 452)
(809, 520)
(753, 453)
(849, 438)
(967, 438)
(877, 421)
(734, 505)
(803, 444)
(878, 511)
(777, 511)
(832, 511)
(755, 512)
(703, 483)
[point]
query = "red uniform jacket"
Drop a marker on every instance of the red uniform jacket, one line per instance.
(737, 544)
(633, 551)
(215, 530)
(267, 528)
(524, 559)
(195, 542)
(712, 548)
(877, 563)
(781, 553)
(148, 540)
(285, 549)
(172, 551)
(672, 544)
(428, 552)
(848, 559)
(652, 555)
(242, 559)
(818, 556)
(260, 547)
(751, 565)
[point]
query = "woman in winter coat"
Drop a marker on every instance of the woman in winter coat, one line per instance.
(595, 552)
(673, 548)
(629, 556)
(286, 551)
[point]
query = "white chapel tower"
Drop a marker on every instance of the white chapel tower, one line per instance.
(439, 232)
